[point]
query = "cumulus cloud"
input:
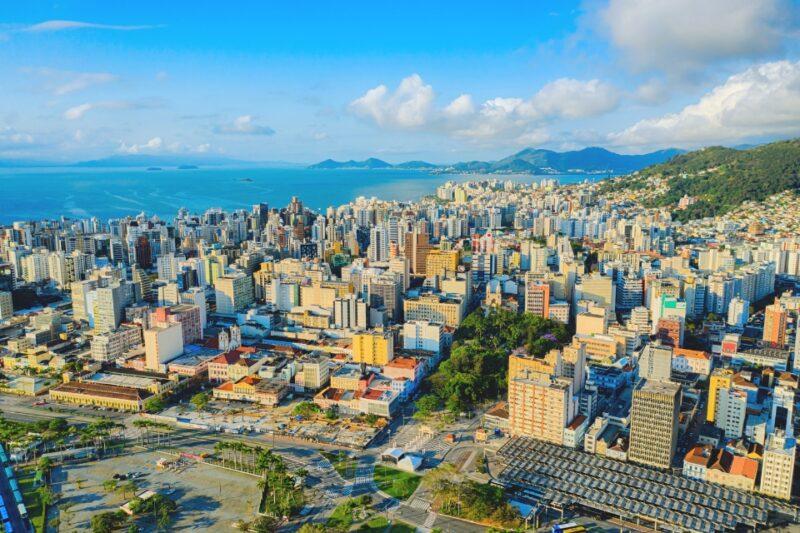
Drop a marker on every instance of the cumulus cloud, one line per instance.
(682, 36)
(153, 145)
(61, 25)
(78, 111)
(409, 106)
(412, 106)
(61, 82)
(763, 100)
(244, 125)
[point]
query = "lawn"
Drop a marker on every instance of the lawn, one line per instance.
(342, 517)
(31, 499)
(379, 523)
(396, 483)
(344, 465)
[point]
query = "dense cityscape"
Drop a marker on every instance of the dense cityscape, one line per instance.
(497, 354)
(400, 267)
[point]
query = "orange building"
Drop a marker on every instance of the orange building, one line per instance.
(775, 316)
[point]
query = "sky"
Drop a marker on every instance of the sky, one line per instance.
(438, 81)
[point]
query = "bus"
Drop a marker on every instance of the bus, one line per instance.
(569, 527)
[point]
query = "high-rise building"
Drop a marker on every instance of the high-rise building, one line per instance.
(655, 363)
(775, 317)
(109, 305)
(6, 306)
(542, 398)
(162, 343)
(441, 262)
(654, 423)
(721, 378)
(738, 312)
(777, 468)
(234, 292)
(143, 252)
(387, 291)
(422, 335)
(731, 411)
(350, 313)
(599, 289)
(378, 244)
(373, 347)
(416, 250)
(537, 296)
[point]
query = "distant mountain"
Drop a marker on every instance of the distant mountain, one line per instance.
(371, 163)
(145, 160)
(530, 160)
(718, 178)
(539, 161)
(416, 165)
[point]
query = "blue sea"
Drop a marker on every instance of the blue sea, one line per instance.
(39, 193)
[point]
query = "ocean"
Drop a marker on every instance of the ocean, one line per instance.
(39, 193)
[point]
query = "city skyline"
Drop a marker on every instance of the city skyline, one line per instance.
(443, 83)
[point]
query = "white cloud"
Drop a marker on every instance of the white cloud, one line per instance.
(61, 82)
(682, 36)
(763, 100)
(12, 137)
(411, 106)
(61, 25)
(244, 125)
(570, 98)
(461, 106)
(153, 145)
(78, 111)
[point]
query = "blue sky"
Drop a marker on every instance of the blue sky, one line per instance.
(441, 81)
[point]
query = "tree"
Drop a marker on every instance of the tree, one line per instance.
(45, 464)
(129, 487)
(154, 404)
(200, 400)
(306, 409)
(106, 522)
(264, 524)
(46, 496)
(311, 528)
(110, 485)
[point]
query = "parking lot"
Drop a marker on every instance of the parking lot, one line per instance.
(208, 498)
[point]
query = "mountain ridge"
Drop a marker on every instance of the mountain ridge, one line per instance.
(529, 160)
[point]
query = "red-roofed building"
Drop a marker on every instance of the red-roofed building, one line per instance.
(233, 365)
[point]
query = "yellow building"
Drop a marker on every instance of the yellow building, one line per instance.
(720, 379)
(373, 347)
(434, 308)
(541, 395)
(99, 395)
(602, 348)
(440, 262)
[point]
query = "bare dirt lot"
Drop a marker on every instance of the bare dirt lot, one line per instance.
(208, 498)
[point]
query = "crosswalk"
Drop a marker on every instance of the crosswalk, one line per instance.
(419, 504)
(430, 520)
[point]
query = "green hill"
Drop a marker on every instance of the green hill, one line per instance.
(720, 178)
